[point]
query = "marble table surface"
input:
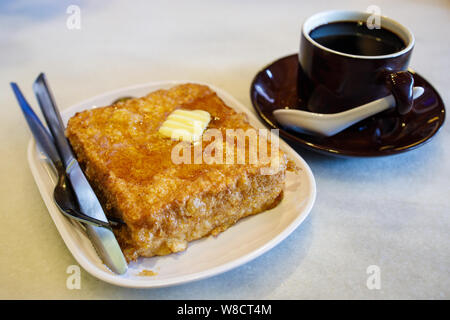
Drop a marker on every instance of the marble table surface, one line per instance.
(391, 212)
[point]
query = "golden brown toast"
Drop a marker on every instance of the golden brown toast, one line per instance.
(164, 204)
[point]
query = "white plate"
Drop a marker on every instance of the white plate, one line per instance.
(203, 258)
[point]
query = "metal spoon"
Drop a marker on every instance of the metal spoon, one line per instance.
(331, 124)
(62, 194)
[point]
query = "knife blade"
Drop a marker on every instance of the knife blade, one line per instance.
(102, 238)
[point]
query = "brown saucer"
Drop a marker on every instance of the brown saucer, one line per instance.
(383, 134)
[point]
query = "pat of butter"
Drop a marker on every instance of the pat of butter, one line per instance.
(185, 125)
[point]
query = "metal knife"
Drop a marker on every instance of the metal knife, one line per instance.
(102, 238)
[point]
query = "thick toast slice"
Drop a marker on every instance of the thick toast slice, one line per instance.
(166, 204)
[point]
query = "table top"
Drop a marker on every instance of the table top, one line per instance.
(391, 213)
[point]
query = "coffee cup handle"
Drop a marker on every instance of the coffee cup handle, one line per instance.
(401, 84)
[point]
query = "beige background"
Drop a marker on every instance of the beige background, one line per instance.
(392, 212)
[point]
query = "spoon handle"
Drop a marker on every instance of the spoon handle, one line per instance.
(40, 133)
(355, 115)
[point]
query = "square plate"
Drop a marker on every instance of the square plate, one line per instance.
(246, 240)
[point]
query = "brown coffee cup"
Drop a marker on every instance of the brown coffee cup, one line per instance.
(331, 81)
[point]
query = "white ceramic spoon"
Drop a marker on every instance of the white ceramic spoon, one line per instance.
(330, 124)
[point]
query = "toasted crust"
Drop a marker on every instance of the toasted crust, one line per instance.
(164, 204)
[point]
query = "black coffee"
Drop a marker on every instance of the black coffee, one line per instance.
(354, 37)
